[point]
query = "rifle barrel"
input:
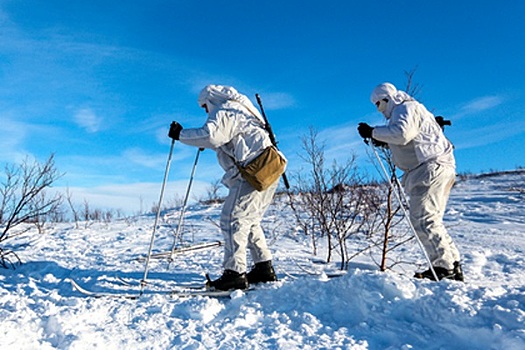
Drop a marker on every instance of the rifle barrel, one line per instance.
(268, 128)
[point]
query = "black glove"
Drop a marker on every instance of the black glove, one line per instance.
(175, 129)
(365, 130)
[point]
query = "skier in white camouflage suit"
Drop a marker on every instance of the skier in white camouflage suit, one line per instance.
(235, 131)
(422, 151)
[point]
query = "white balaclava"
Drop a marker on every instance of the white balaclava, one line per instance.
(216, 95)
(389, 92)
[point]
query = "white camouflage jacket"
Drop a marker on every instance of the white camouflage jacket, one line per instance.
(414, 137)
(235, 134)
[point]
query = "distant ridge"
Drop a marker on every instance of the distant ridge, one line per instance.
(493, 174)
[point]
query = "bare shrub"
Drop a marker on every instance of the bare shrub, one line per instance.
(213, 193)
(54, 214)
(329, 202)
(74, 211)
(23, 199)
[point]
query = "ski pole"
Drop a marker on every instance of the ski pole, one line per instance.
(183, 209)
(146, 270)
(268, 128)
(407, 217)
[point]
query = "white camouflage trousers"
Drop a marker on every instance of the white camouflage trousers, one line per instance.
(241, 217)
(428, 187)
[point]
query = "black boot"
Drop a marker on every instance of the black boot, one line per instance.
(262, 272)
(458, 272)
(455, 274)
(229, 280)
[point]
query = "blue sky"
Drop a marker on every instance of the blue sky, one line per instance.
(98, 82)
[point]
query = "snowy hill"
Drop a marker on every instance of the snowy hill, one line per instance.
(364, 309)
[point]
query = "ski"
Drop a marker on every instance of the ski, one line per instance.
(186, 292)
(192, 248)
(126, 282)
(202, 293)
(159, 283)
(205, 291)
(93, 294)
(328, 274)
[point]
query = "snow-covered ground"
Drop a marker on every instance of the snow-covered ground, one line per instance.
(364, 309)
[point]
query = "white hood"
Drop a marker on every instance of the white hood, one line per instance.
(392, 94)
(215, 96)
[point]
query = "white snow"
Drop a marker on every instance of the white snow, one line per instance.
(364, 309)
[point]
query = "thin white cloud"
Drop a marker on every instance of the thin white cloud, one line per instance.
(479, 105)
(277, 100)
(145, 159)
(157, 160)
(489, 134)
(88, 120)
(13, 136)
(133, 197)
(340, 142)
(483, 103)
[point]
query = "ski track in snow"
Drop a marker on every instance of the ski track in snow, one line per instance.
(364, 309)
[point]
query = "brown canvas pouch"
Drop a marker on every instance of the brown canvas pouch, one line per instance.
(264, 170)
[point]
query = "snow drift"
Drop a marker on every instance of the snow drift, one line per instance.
(363, 309)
